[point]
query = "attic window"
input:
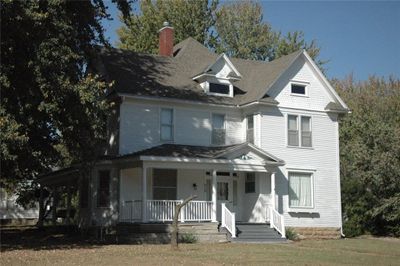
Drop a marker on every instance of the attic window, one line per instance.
(219, 88)
(298, 89)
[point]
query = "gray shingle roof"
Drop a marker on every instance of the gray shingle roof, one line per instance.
(171, 77)
(182, 151)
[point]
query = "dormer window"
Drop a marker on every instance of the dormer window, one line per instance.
(218, 78)
(219, 88)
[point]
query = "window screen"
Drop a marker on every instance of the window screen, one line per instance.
(298, 89)
(219, 88)
(218, 129)
(293, 132)
(164, 184)
(167, 124)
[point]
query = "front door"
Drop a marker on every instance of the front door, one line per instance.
(226, 191)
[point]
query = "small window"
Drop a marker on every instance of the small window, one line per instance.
(167, 124)
(103, 189)
(218, 129)
(300, 190)
(250, 129)
(298, 89)
(218, 88)
(250, 183)
(164, 184)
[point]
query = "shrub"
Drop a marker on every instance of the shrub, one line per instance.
(291, 234)
(188, 238)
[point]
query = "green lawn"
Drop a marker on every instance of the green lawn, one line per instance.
(311, 252)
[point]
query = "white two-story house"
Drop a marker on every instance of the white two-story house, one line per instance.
(255, 141)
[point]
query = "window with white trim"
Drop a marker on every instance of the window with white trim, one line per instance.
(299, 131)
(167, 124)
(218, 129)
(300, 190)
(298, 89)
(219, 88)
(164, 184)
(250, 129)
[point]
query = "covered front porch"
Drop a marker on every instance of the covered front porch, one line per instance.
(237, 185)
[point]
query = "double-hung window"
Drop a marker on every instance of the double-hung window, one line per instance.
(103, 189)
(218, 129)
(300, 190)
(299, 131)
(250, 129)
(164, 184)
(167, 124)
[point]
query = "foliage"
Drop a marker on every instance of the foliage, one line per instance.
(242, 32)
(51, 114)
(370, 156)
(235, 28)
(189, 19)
(291, 234)
(188, 238)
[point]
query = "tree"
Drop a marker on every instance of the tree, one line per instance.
(370, 156)
(242, 32)
(51, 114)
(174, 233)
(189, 19)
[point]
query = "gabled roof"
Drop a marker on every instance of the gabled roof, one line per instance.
(227, 61)
(171, 77)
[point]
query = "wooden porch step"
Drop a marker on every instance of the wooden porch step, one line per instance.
(257, 233)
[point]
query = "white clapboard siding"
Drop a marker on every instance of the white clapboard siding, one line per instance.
(317, 96)
(140, 128)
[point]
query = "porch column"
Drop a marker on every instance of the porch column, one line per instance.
(214, 196)
(144, 194)
(273, 190)
(68, 214)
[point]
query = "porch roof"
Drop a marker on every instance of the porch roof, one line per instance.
(202, 152)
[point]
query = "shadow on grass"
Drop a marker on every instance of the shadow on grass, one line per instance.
(46, 238)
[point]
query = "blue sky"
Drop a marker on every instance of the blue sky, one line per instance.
(359, 37)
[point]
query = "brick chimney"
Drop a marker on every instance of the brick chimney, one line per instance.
(166, 40)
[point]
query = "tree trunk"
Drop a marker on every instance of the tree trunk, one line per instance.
(174, 235)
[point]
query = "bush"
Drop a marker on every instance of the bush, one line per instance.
(188, 238)
(291, 234)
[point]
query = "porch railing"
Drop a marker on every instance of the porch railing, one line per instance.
(228, 220)
(130, 211)
(277, 221)
(164, 210)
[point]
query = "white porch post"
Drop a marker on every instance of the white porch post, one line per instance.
(214, 196)
(273, 200)
(144, 194)
(273, 192)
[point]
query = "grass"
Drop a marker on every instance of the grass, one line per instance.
(367, 251)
